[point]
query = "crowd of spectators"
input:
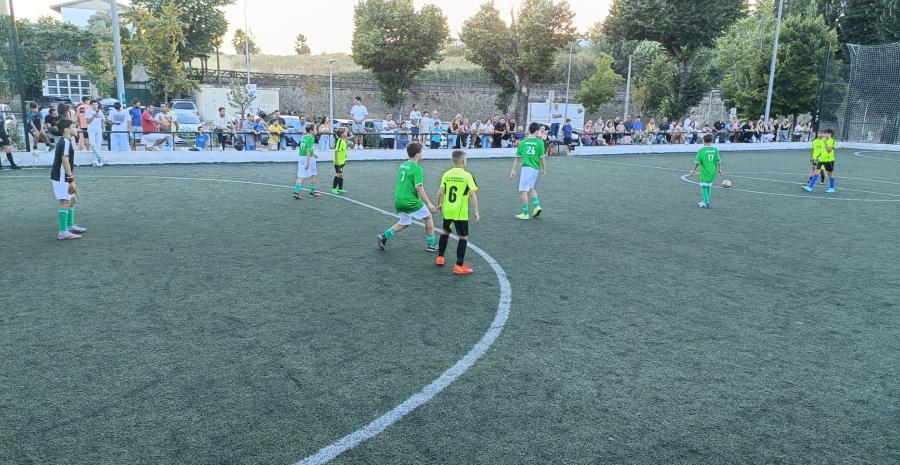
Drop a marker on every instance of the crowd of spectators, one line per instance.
(158, 128)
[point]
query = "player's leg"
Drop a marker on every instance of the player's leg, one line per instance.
(830, 168)
(462, 229)
(430, 239)
(341, 181)
(706, 189)
(523, 197)
(405, 220)
(535, 203)
(812, 182)
(443, 240)
(73, 227)
(9, 156)
(311, 172)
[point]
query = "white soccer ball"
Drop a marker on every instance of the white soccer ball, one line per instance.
(726, 183)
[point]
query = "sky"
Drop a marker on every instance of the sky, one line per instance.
(275, 32)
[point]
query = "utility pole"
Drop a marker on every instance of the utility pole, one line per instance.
(628, 88)
(774, 56)
(14, 39)
(247, 44)
(568, 82)
(117, 50)
(331, 93)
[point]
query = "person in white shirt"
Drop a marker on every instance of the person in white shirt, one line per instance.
(121, 129)
(487, 133)
(690, 129)
(358, 113)
(222, 127)
(94, 118)
(415, 121)
(556, 119)
(427, 126)
(389, 132)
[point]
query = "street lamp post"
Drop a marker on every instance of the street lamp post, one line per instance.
(331, 92)
(568, 81)
(247, 45)
(774, 56)
(117, 50)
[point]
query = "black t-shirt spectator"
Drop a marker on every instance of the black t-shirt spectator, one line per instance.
(50, 122)
(499, 129)
(664, 126)
(718, 126)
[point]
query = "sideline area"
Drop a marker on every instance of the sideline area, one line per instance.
(39, 159)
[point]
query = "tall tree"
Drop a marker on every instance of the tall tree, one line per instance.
(395, 42)
(740, 50)
(238, 42)
(683, 28)
(869, 22)
(102, 71)
(300, 45)
(522, 53)
(160, 57)
(601, 87)
(202, 23)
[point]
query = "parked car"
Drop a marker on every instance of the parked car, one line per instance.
(187, 126)
(341, 123)
(182, 107)
(46, 101)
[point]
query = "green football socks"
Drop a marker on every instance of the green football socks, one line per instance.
(432, 240)
(70, 221)
(63, 214)
(312, 189)
(705, 190)
(524, 208)
(536, 201)
(297, 187)
(389, 233)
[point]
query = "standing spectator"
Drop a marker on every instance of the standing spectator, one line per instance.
(567, 133)
(359, 113)
(94, 117)
(136, 113)
(556, 118)
(389, 132)
(276, 129)
(499, 130)
(425, 127)
(784, 130)
(83, 142)
(222, 127)
(719, 128)
(403, 133)
(415, 120)
(249, 131)
(453, 132)
(510, 130)
(324, 134)
(121, 128)
(678, 134)
(798, 132)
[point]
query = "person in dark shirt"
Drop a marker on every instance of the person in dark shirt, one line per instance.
(6, 146)
(499, 132)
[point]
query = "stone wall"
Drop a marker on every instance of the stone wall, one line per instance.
(308, 95)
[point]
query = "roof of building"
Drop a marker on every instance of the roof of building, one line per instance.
(85, 4)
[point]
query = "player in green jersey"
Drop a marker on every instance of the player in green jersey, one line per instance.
(410, 199)
(457, 186)
(531, 154)
(710, 163)
(824, 163)
(306, 164)
(340, 159)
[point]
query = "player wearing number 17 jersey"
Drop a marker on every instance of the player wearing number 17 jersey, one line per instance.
(531, 154)
(457, 186)
(710, 163)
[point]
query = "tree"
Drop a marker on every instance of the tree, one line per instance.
(300, 45)
(102, 71)
(202, 23)
(396, 43)
(239, 96)
(238, 42)
(740, 50)
(868, 22)
(683, 29)
(601, 87)
(160, 57)
(518, 55)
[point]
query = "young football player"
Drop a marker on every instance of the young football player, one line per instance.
(410, 199)
(531, 154)
(818, 146)
(710, 164)
(457, 186)
(62, 175)
(824, 163)
(340, 159)
(306, 165)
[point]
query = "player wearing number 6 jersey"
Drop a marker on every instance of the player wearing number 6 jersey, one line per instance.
(410, 199)
(457, 186)
(710, 163)
(531, 153)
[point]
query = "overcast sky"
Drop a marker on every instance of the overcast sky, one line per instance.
(275, 23)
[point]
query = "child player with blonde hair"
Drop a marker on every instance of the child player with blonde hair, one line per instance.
(457, 187)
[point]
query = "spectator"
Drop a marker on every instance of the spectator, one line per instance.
(248, 130)
(624, 135)
(201, 140)
(652, 132)
(415, 118)
(719, 129)
(587, 133)
(475, 133)
(36, 126)
(359, 113)
(166, 121)
(325, 136)
(427, 124)
(151, 137)
(609, 133)
(499, 131)
(276, 129)
(486, 130)
(50, 123)
(555, 120)
(436, 131)
(222, 127)
(678, 134)
(808, 130)
(403, 134)
(453, 136)
(784, 130)
(83, 143)
(510, 130)
(798, 132)
(136, 125)
(746, 134)
(121, 129)
(518, 136)
(567, 132)
(665, 132)
(95, 118)
(389, 132)
(629, 127)
(637, 128)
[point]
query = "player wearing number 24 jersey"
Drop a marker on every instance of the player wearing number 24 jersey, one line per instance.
(457, 187)
(531, 154)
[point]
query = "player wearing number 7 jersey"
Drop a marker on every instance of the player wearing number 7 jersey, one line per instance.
(410, 199)
(710, 163)
(531, 153)
(457, 186)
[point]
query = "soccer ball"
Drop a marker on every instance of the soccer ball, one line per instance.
(726, 183)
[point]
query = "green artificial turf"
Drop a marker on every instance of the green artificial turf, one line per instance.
(201, 322)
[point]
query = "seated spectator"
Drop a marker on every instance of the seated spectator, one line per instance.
(567, 132)
(637, 127)
(652, 131)
(50, 123)
(609, 133)
(678, 134)
(624, 134)
(201, 140)
(151, 138)
(587, 134)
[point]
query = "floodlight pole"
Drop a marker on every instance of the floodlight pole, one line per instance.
(331, 93)
(568, 81)
(247, 44)
(117, 50)
(774, 56)
(628, 88)
(14, 38)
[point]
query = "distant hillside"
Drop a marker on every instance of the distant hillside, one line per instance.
(452, 67)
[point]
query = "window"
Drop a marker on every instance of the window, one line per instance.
(72, 86)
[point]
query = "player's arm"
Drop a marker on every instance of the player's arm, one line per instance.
(474, 200)
(515, 167)
(543, 165)
(720, 168)
(440, 197)
(420, 190)
(828, 147)
(694, 166)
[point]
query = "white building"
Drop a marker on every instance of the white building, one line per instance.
(78, 12)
